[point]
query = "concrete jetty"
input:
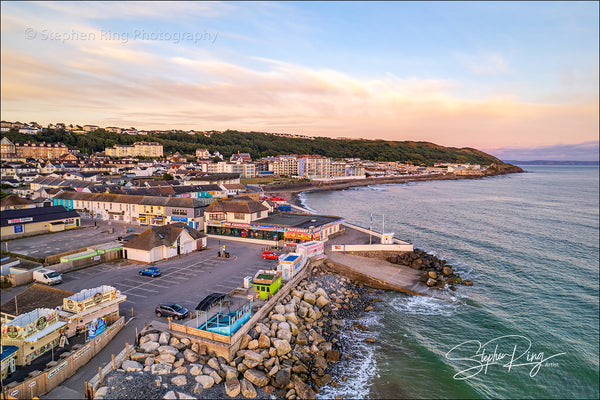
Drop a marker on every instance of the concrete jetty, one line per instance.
(375, 272)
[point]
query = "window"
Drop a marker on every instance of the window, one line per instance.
(238, 215)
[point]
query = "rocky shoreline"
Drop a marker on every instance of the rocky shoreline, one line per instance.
(436, 272)
(288, 354)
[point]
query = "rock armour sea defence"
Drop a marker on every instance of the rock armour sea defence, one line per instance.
(289, 353)
(436, 272)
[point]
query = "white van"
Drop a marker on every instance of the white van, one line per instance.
(47, 276)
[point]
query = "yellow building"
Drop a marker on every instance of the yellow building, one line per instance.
(142, 149)
(46, 151)
(33, 333)
(89, 309)
(148, 149)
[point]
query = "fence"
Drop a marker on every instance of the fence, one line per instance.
(55, 258)
(199, 333)
(234, 340)
(26, 277)
(377, 234)
(371, 247)
(52, 377)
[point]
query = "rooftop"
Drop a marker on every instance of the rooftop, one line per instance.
(303, 221)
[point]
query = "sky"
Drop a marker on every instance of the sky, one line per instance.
(508, 78)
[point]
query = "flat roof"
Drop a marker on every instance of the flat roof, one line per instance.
(290, 257)
(209, 301)
(303, 221)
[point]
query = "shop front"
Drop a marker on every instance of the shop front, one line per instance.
(151, 219)
(89, 310)
(34, 333)
(301, 235)
(248, 231)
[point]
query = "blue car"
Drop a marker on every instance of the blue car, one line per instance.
(150, 271)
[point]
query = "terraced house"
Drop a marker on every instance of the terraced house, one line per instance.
(135, 209)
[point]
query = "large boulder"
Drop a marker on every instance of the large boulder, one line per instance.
(232, 387)
(257, 377)
(190, 356)
(283, 347)
(310, 298)
(206, 381)
(253, 344)
(153, 337)
(132, 366)
(282, 378)
(316, 337)
(303, 391)
(320, 362)
(301, 338)
(164, 338)
(279, 309)
(216, 377)
(245, 340)
(247, 389)
(149, 347)
(167, 349)
(432, 274)
(166, 358)
(284, 326)
(195, 370)
(292, 317)
(333, 355)
(284, 334)
(181, 370)
(278, 317)
(254, 357)
(179, 380)
(264, 342)
(230, 372)
(161, 369)
(321, 292)
(322, 301)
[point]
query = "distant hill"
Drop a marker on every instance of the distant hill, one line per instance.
(260, 144)
(551, 162)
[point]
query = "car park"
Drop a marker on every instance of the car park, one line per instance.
(150, 271)
(269, 255)
(173, 310)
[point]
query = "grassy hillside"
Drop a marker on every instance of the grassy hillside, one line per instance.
(259, 144)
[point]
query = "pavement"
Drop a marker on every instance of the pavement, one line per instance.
(89, 234)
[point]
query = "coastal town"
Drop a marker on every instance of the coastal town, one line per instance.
(117, 228)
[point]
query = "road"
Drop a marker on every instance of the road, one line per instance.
(185, 280)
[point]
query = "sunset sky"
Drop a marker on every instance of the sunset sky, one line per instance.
(510, 78)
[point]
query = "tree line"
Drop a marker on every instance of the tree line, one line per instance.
(259, 144)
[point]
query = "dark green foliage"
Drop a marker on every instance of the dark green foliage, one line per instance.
(259, 145)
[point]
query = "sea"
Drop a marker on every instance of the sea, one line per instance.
(527, 328)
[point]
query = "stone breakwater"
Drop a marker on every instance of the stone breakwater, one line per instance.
(288, 354)
(436, 272)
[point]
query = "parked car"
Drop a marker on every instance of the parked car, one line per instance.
(171, 310)
(269, 255)
(150, 271)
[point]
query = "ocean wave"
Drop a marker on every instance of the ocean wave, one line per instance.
(419, 305)
(302, 199)
(361, 367)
